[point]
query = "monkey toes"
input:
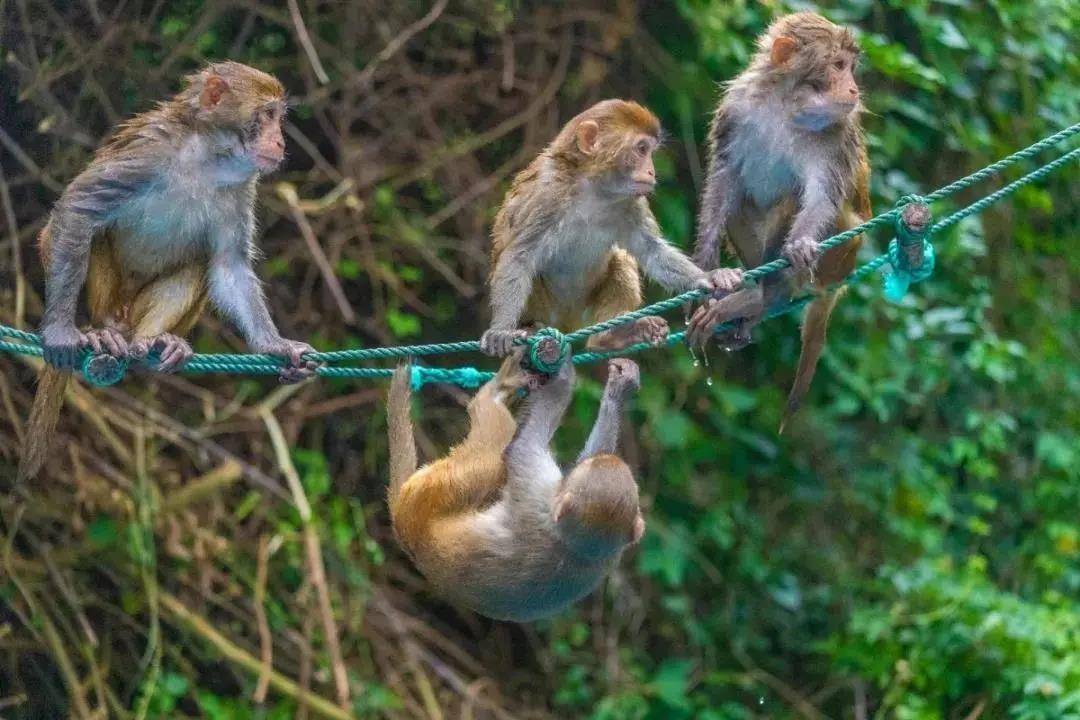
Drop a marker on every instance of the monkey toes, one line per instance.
(107, 340)
(653, 330)
(173, 352)
(801, 252)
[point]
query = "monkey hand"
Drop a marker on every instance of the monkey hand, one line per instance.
(296, 368)
(722, 281)
(61, 345)
(173, 351)
(624, 377)
(801, 252)
(499, 343)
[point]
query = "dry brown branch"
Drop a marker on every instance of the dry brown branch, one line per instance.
(234, 653)
(266, 641)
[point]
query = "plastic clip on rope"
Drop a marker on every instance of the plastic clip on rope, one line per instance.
(910, 252)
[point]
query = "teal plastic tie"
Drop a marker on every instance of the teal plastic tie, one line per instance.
(466, 377)
(910, 252)
(103, 370)
(539, 345)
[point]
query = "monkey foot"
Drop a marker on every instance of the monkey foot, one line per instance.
(653, 330)
(173, 352)
(107, 340)
(623, 376)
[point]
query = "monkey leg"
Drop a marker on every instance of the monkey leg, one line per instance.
(618, 291)
(165, 309)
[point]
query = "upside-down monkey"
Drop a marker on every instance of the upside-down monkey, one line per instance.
(787, 168)
(161, 221)
(496, 525)
(574, 227)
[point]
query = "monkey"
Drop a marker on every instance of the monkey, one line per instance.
(573, 228)
(787, 168)
(496, 526)
(160, 222)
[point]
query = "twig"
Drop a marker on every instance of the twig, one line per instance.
(238, 655)
(266, 642)
(288, 193)
(790, 695)
(16, 252)
(313, 550)
(362, 79)
(305, 42)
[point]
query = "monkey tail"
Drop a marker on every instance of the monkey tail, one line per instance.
(41, 426)
(815, 325)
(400, 430)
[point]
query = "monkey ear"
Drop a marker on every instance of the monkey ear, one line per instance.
(638, 531)
(783, 48)
(213, 90)
(588, 133)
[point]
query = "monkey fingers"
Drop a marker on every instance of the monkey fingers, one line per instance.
(801, 252)
(500, 343)
(747, 302)
(296, 369)
(723, 280)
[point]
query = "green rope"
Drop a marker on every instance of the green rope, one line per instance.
(104, 370)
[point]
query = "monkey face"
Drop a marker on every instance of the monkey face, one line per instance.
(639, 162)
(265, 143)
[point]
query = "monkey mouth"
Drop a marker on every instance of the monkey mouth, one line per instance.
(267, 163)
(641, 188)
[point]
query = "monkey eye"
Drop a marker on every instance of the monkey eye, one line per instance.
(840, 64)
(642, 147)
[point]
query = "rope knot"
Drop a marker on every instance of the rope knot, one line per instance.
(548, 350)
(103, 370)
(910, 252)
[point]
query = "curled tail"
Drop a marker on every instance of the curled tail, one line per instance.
(400, 432)
(42, 423)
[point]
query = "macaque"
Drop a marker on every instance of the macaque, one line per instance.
(496, 526)
(161, 221)
(573, 229)
(787, 168)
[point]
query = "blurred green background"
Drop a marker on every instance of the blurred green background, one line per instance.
(909, 548)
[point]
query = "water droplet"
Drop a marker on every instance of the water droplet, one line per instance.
(697, 363)
(705, 354)
(761, 700)
(708, 381)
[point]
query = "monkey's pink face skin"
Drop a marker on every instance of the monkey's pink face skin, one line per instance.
(642, 172)
(832, 98)
(268, 148)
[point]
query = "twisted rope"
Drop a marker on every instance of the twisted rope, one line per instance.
(548, 349)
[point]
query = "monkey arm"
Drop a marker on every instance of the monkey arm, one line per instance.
(511, 286)
(717, 203)
(659, 260)
(545, 410)
(88, 205)
(236, 291)
(819, 207)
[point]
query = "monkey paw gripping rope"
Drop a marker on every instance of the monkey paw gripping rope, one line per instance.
(910, 258)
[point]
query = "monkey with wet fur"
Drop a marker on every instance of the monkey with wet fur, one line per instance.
(574, 227)
(787, 168)
(161, 221)
(496, 525)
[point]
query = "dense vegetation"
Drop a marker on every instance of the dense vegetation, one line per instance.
(909, 548)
